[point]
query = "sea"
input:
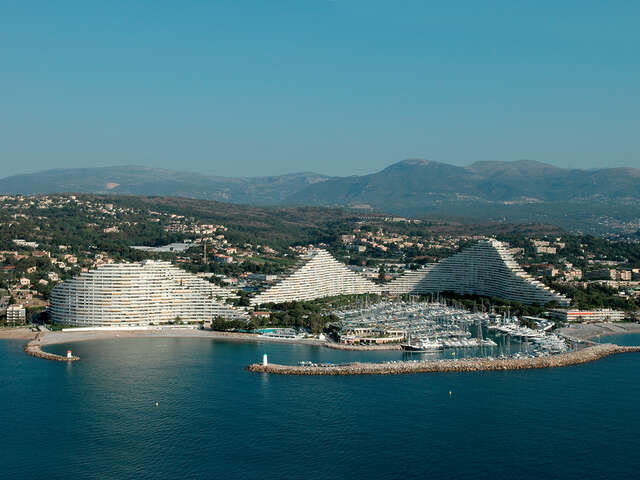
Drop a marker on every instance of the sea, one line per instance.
(186, 408)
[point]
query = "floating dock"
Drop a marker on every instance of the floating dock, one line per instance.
(588, 354)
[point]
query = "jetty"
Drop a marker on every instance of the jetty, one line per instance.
(34, 348)
(585, 355)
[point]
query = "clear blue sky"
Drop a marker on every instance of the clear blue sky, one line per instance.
(338, 87)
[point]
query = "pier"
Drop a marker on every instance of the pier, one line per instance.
(34, 348)
(586, 355)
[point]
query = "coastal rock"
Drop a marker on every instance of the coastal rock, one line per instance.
(585, 355)
(34, 348)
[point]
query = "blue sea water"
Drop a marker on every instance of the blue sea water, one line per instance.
(97, 418)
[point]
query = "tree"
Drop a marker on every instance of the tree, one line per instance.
(381, 273)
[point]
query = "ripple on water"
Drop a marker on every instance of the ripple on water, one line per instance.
(97, 418)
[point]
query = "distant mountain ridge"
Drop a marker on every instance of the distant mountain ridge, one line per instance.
(412, 187)
(140, 180)
(419, 186)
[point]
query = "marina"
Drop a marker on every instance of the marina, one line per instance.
(435, 327)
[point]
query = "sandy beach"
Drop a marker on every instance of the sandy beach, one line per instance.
(590, 331)
(18, 333)
(56, 338)
(577, 331)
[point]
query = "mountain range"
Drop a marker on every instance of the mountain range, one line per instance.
(411, 187)
(139, 180)
(418, 186)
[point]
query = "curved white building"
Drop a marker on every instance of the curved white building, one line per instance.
(319, 276)
(487, 269)
(150, 292)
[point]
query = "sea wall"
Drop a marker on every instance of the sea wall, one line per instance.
(585, 355)
(34, 348)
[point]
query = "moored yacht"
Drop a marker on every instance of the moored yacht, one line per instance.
(422, 345)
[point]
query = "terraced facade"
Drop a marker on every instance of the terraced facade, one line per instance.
(487, 269)
(150, 292)
(319, 275)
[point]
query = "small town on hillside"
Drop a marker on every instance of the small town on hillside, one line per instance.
(47, 239)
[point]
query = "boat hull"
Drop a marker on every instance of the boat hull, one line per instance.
(416, 348)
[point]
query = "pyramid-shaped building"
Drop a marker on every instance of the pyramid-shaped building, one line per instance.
(319, 275)
(486, 269)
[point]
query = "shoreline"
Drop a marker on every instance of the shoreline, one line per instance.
(17, 333)
(586, 355)
(57, 338)
(38, 340)
(578, 332)
(590, 331)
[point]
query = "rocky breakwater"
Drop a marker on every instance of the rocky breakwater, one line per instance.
(585, 355)
(34, 348)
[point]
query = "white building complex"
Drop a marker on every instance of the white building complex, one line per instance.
(599, 315)
(150, 292)
(486, 269)
(320, 275)
(16, 314)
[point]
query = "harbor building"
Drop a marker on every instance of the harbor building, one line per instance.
(362, 335)
(319, 275)
(145, 293)
(600, 315)
(486, 268)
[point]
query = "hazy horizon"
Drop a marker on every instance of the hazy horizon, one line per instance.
(334, 87)
(177, 168)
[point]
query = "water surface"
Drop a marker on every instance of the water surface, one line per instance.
(97, 418)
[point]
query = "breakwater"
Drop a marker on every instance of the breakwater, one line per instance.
(588, 354)
(34, 348)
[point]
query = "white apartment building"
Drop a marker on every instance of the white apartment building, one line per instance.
(150, 292)
(486, 269)
(23, 243)
(320, 275)
(16, 314)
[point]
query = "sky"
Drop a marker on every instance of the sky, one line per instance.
(343, 87)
